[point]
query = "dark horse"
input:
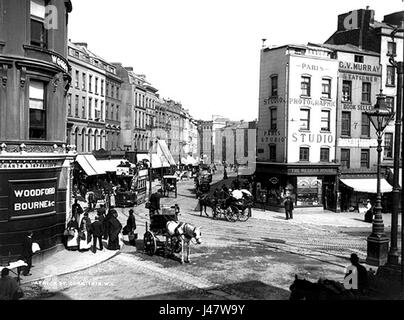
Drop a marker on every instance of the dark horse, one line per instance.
(205, 200)
(302, 289)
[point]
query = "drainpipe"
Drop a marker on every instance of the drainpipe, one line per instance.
(285, 160)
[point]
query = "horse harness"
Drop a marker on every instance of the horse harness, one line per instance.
(183, 225)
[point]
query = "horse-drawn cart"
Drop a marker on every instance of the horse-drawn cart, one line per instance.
(156, 233)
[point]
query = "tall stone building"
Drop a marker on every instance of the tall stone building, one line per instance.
(34, 157)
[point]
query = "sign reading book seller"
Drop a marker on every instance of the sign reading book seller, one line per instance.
(32, 197)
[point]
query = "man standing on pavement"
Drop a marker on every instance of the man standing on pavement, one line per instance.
(97, 231)
(77, 210)
(289, 208)
(27, 253)
(155, 202)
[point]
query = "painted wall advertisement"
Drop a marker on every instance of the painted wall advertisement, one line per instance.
(32, 197)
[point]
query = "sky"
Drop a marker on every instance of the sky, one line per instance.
(205, 53)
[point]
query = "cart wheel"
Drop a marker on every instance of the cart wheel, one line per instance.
(150, 245)
(244, 214)
(232, 214)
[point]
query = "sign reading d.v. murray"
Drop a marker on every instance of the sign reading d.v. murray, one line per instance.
(31, 197)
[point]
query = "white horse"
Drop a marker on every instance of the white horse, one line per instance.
(185, 232)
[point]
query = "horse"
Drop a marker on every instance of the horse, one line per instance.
(302, 289)
(206, 201)
(185, 232)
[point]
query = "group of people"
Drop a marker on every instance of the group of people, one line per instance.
(82, 234)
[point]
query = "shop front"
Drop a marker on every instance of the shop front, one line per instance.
(33, 196)
(310, 186)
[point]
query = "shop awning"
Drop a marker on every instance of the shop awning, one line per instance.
(89, 164)
(164, 151)
(367, 185)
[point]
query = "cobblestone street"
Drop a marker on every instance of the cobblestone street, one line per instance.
(256, 259)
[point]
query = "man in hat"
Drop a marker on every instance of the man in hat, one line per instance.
(289, 208)
(97, 231)
(155, 202)
(27, 253)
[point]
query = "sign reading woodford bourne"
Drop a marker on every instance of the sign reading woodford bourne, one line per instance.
(32, 197)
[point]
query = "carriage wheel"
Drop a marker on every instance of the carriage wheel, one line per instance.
(244, 214)
(150, 243)
(232, 214)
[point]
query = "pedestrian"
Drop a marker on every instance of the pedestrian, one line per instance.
(289, 208)
(131, 227)
(155, 202)
(90, 200)
(101, 211)
(9, 288)
(112, 199)
(369, 212)
(84, 233)
(97, 232)
(72, 242)
(362, 274)
(114, 228)
(225, 174)
(27, 253)
(77, 210)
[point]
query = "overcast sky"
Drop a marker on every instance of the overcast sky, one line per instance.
(205, 53)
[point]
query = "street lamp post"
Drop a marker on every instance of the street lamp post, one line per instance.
(377, 241)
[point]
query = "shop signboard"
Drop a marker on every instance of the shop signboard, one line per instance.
(32, 197)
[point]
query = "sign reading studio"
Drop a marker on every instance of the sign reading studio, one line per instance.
(32, 197)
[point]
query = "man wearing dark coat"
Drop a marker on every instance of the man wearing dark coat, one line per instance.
(155, 202)
(97, 231)
(289, 208)
(131, 226)
(114, 228)
(77, 210)
(27, 253)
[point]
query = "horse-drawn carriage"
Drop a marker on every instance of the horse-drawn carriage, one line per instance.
(167, 233)
(169, 184)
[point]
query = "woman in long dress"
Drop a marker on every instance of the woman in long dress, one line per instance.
(112, 198)
(85, 225)
(73, 240)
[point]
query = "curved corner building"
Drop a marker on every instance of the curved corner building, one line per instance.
(34, 159)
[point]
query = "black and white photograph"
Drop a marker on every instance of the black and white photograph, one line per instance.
(201, 154)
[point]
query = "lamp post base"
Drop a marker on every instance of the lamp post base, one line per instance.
(378, 247)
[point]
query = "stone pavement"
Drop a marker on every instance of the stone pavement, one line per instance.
(322, 218)
(64, 262)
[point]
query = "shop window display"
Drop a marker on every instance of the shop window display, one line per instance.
(309, 191)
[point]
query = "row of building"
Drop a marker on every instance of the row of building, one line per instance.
(314, 140)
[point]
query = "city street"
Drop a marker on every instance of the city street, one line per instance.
(256, 259)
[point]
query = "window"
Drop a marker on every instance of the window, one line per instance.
(304, 154)
(96, 85)
(365, 158)
(76, 106)
(305, 85)
(324, 154)
(102, 110)
(112, 111)
(117, 93)
(37, 110)
(274, 86)
(326, 88)
(273, 113)
(304, 119)
(90, 105)
(345, 158)
(112, 90)
(69, 104)
(107, 90)
(245, 142)
(346, 91)
(83, 81)
(388, 145)
(325, 120)
(391, 49)
(83, 107)
(77, 79)
(38, 31)
(90, 83)
(390, 79)
(390, 103)
(366, 92)
(102, 87)
(117, 113)
(272, 152)
(365, 128)
(346, 123)
(358, 58)
(107, 110)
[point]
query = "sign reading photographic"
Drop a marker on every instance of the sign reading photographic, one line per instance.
(32, 197)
